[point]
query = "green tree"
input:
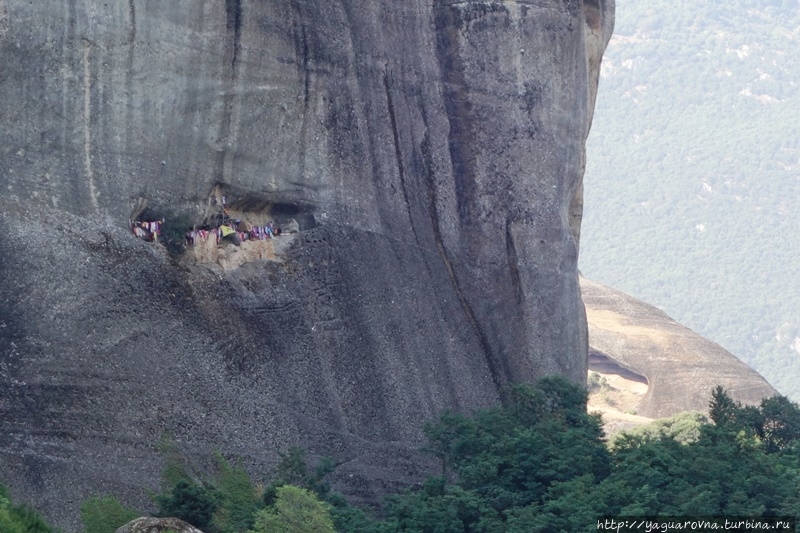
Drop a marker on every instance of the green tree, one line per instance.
(238, 498)
(104, 514)
(722, 409)
(20, 518)
(7, 523)
(192, 502)
(438, 508)
(224, 502)
(175, 468)
(296, 510)
(505, 459)
(684, 427)
(775, 423)
(780, 423)
(444, 437)
(293, 470)
(511, 455)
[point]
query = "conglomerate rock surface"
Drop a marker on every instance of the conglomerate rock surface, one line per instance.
(432, 153)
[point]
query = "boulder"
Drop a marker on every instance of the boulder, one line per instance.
(639, 342)
(157, 525)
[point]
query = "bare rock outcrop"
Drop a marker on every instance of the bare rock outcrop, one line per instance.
(680, 367)
(431, 153)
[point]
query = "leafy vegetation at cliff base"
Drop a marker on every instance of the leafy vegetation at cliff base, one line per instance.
(20, 518)
(104, 514)
(538, 464)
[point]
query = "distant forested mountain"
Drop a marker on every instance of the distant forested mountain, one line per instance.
(693, 175)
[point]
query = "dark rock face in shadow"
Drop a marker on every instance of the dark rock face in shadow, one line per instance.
(432, 154)
(680, 367)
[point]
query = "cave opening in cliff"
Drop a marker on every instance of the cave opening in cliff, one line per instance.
(284, 208)
(604, 364)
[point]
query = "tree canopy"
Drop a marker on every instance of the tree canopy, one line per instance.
(539, 463)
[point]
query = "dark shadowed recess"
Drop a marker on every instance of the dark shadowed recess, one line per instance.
(600, 362)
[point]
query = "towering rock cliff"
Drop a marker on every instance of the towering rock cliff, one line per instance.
(432, 152)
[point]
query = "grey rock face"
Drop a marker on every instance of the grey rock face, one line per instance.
(432, 154)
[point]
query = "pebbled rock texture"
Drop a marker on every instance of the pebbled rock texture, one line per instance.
(432, 154)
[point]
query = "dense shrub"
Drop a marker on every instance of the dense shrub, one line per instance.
(296, 510)
(191, 502)
(20, 518)
(104, 514)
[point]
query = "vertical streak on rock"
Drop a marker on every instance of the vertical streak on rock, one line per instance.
(235, 21)
(462, 159)
(87, 123)
(129, 82)
(395, 135)
(5, 20)
(398, 153)
(499, 379)
(233, 13)
(301, 50)
(306, 90)
(461, 136)
(233, 25)
(132, 28)
(66, 92)
(513, 262)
